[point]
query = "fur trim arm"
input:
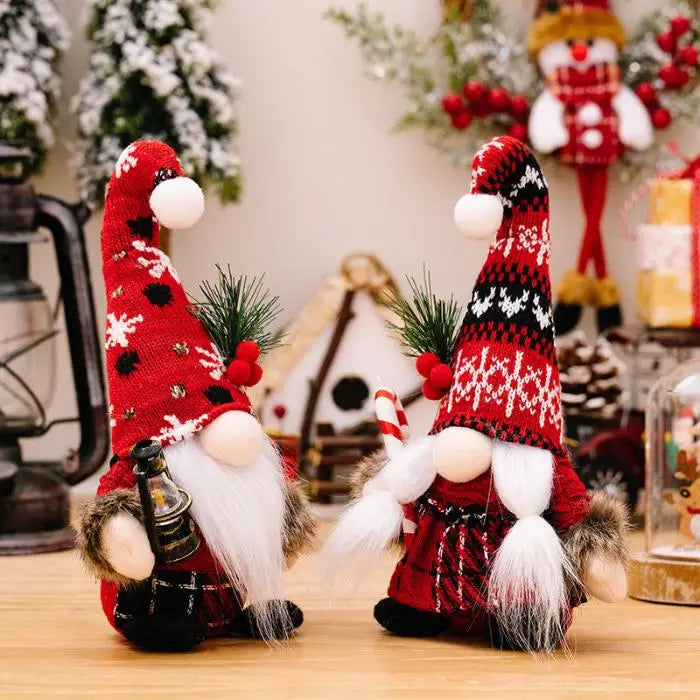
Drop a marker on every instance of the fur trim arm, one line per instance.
(299, 525)
(365, 471)
(602, 533)
(94, 516)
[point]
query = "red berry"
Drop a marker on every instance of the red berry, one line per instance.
(683, 77)
(661, 118)
(280, 411)
(666, 41)
(672, 76)
(646, 92)
(248, 351)
(680, 25)
(462, 120)
(238, 372)
(474, 91)
(452, 103)
(426, 362)
(690, 55)
(256, 373)
(518, 131)
(519, 106)
(441, 376)
(431, 392)
(498, 99)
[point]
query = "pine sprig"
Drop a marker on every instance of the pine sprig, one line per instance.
(235, 309)
(429, 324)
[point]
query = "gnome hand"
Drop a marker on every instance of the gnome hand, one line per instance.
(546, 127)
(605, 578)
(126, 548)
(636, 129)
(234, 438)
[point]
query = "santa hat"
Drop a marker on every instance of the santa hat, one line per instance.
(166, 378)
(561, 20)
(505, 380)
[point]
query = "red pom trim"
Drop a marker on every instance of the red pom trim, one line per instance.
(238, 372)
(256, 373)
(431, 392)
(426, 362)
(248, 351)
(441, 376)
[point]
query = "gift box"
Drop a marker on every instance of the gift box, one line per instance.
(668, 253)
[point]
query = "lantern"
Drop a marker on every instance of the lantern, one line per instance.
(170, 529)
(668, 570)
(34, 496)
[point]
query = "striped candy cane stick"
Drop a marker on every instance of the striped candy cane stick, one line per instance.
(391, 419)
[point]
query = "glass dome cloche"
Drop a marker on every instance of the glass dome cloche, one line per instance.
(668, 570)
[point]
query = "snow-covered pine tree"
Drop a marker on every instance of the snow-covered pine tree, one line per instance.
(33, 36)
(152, 76)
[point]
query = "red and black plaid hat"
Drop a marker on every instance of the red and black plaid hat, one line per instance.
(506, 382)
(166, 378)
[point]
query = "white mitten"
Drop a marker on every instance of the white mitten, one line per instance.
(409, 473)
(605, 578)
(546, 126)
(636, 129)
(126, 547)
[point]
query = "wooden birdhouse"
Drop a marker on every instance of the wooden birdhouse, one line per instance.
(317, 390)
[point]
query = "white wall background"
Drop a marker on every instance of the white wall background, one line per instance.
(323, 174)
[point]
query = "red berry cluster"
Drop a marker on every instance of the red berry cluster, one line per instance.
(478, 101)
(244, 370)
(679, 42)
(438, 375)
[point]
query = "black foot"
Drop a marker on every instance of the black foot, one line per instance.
(407, 621)
(609, 317)
(566, 317)
(165, 632)
(246, 625)
(522, 639)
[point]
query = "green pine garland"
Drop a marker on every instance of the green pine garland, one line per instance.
(428, 324)
(235, 309)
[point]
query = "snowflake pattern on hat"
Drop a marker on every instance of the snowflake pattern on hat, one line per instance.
(505, 378)
(158, 388)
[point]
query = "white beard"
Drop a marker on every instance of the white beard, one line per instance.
(240, 512)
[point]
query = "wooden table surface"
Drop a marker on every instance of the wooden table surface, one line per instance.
(55, 643)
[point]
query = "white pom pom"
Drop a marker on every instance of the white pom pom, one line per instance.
(592, 138)
(177, 203)
(478, 215)
(461, 454)
(234, 438)
(126, 547)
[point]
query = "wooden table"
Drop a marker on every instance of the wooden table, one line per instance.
(55, 643)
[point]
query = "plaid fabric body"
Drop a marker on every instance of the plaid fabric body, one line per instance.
(445, 569)
(193, 586)
(598, 84)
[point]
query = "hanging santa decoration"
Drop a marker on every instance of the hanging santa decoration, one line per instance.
(587, 117)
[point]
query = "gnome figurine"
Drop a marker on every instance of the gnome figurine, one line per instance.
(170, 387)
(503, 541)
(586, 117)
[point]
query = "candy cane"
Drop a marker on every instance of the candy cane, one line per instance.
(393, 425)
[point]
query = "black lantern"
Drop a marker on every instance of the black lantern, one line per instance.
(34, 496)
(170, 529)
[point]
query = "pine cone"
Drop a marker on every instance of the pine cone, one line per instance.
(590, 376)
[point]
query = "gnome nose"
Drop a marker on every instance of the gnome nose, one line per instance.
(579, 51)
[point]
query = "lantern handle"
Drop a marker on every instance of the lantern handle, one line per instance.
(62, 221)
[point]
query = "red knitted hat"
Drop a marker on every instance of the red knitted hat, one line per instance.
(166, 378)
(557, 20)
(506, 382)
